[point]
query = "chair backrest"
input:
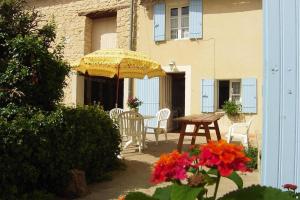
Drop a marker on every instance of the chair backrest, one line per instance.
(162, 118)
(131, 123)
(114, 113)
(248, 125)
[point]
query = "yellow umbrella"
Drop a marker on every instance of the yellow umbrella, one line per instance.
(120, 63)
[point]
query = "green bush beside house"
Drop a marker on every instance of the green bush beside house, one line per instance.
(39, 148)
(40, 142)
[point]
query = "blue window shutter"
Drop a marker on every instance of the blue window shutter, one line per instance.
(249, 95)
(159, 26)
(208, 99)
(148, 93)
(195, 19)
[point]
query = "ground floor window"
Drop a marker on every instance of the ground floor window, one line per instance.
(228, 90)
(102, 91)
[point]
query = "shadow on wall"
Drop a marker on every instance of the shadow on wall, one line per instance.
(217, 6)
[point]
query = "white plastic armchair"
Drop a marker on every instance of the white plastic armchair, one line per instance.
(161, 125)
(239, 131)
(131, 125)
(114, 113)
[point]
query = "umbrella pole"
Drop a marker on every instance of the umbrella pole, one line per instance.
(117, 95)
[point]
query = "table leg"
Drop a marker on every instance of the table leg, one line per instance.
(181, 137)
(217, 130)
(207, 133)
(196, 128)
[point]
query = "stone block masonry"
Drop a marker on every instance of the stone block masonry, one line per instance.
(74, 25)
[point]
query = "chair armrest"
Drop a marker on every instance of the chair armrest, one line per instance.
(239, 125)
(150, 127)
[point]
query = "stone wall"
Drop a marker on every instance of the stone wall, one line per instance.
(74, 26)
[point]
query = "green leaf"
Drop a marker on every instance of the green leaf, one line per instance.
(213, 172)
(138, 196)
(236, 179)
(163, 193)
(257, 192)
(184, 192)
(210, 180)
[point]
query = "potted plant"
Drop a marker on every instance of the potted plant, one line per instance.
(133, 103)
(231, 108)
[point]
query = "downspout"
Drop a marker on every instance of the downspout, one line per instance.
(131, 25)
(130, 82)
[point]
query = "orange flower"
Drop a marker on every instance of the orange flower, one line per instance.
(122, 197)
(223, 156)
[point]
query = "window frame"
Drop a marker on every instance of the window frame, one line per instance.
(179, 23)
(230, 91)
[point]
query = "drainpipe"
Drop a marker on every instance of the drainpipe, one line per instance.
(130, 86)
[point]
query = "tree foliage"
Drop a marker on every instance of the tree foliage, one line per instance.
(32, 69)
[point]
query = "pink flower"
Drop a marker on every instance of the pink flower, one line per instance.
(172, 166)
(290, 186)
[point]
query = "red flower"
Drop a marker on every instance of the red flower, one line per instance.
(290, 186)
(223, 156)
(133, 102)
(171, 166)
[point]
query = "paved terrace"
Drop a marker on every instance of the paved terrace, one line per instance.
(137, 174)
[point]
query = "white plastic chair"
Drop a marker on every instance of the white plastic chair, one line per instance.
(239, 131)
(161, 125)
(114, 113)
(131, 125)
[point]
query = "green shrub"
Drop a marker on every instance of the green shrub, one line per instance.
(39, 148)
(258, 193)
(231, 108)
(252, 152)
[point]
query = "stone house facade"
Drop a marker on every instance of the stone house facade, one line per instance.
(225, 56)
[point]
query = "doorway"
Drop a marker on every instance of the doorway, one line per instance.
(172, 96)
(102, 91)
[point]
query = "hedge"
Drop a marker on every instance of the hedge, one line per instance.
(39, 148)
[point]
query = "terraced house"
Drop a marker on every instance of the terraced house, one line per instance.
(212, 52)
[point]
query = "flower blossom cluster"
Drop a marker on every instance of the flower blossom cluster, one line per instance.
(220, 155)
(223, 156)
(170, 167)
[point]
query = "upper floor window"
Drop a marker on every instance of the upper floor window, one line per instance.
(179, 22)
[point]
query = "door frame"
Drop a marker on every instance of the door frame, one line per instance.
(187, 70)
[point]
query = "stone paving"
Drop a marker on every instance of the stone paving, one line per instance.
(136, 176)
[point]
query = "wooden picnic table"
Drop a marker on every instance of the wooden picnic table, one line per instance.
(204, 122)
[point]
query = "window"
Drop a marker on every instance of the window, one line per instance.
(235, 91)
(228, 90)
(179, 22)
